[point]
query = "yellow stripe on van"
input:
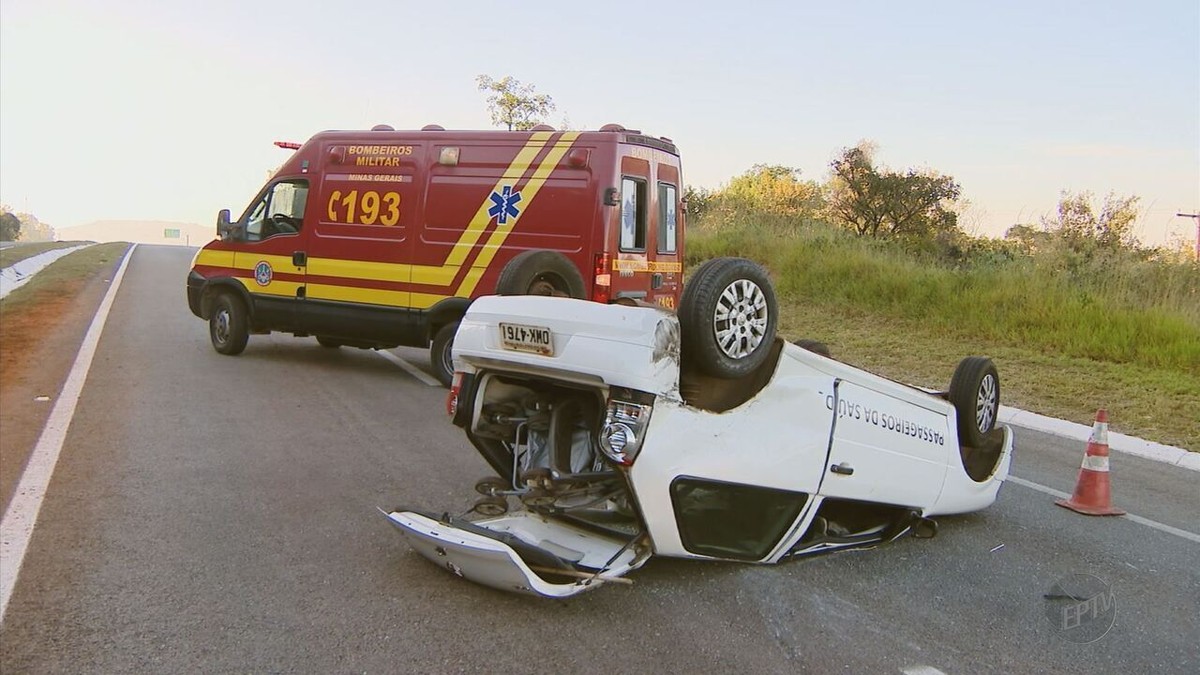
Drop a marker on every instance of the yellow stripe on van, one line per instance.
(214, 258)
(368, 296)
(375, 296)
(358, 269)
(528, 193)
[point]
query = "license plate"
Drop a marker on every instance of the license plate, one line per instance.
(522, 338)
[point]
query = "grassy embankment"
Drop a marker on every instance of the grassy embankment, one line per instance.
(63, 277)
(15, 254)
(1068, 335)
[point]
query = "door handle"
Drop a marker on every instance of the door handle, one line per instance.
(299, 259)
(843, 469)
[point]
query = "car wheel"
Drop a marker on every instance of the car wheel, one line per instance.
(540, 273)
(227, 325)
(327, 342)
(491, 505)
(440, 353)
(975, 393)
(727, 316)
(814, 346)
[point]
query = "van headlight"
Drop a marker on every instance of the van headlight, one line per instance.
(625, 423)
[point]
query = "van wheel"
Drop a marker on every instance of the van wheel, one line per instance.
(328, 343)
(540, 273)
(727, 317)
(975, 393)
(440, 353)
(227, 325)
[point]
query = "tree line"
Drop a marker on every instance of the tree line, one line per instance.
(22, 226)
(913, 206)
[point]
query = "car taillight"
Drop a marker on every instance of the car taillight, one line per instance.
(602, 279)
(625, 425)
(452, 398)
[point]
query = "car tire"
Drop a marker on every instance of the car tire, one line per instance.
(228, 325)
(814, 346)
(540, 273)
(728, 317)
(975, 393)
(327, 342)
(440, 353)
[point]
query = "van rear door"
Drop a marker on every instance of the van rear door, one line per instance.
(648, 264)
(666, 265)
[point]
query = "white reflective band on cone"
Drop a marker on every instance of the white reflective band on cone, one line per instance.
(1095, 463)
(1099, 433)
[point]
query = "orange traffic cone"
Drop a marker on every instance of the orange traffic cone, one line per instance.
(1093, 493)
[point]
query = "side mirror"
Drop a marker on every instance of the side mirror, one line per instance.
(223, 226)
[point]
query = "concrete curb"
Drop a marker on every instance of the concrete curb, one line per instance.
(17, 274)
(1167, 454)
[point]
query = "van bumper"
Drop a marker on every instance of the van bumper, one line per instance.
(195, 290)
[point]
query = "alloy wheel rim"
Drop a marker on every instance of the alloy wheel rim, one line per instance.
(985, 403)
(740, 320)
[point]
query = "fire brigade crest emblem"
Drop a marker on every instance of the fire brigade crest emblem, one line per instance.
(262, 273)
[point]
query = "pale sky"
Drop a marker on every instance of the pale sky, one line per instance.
(167, 110)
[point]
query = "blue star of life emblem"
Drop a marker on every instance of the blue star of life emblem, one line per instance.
(262, 273)
(504, 205)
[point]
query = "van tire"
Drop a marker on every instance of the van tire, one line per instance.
(540, 273)
(975, 393)
(728, 317)
(439, 353)
(228, 325)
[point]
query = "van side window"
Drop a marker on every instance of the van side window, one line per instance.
(633, 214)
(667, 230)
(280, 211)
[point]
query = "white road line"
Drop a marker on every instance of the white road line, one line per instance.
(17, 526)
(1190, 536)
(412, 370)
(921, 670)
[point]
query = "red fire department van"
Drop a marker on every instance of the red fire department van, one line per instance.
(381, 238)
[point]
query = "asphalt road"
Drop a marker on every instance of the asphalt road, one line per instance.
(218, 514)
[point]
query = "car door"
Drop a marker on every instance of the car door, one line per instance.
(888, 448)
(271, 256)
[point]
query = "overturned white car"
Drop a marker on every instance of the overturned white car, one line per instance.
(622, 432)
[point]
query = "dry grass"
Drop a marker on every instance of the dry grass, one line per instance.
(26, 312)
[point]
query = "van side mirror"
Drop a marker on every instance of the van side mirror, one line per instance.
(223, 226)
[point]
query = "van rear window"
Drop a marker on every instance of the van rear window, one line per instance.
(633, 214)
